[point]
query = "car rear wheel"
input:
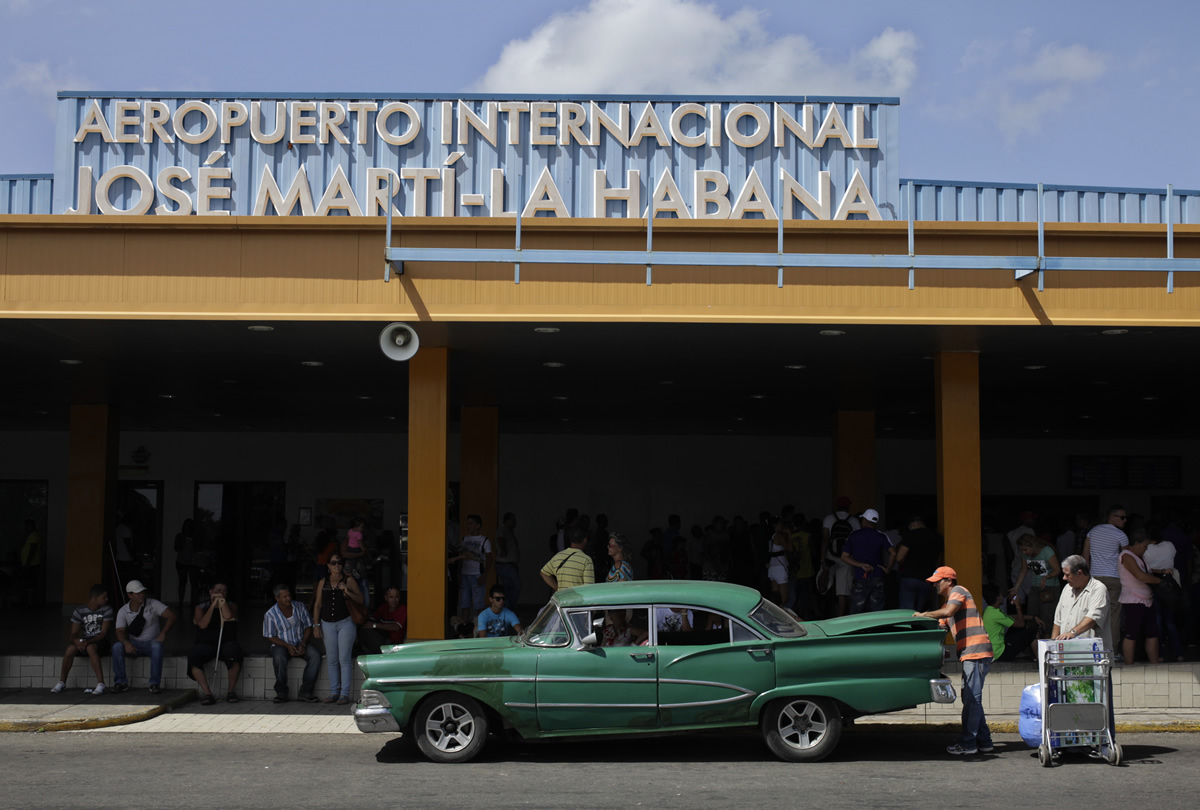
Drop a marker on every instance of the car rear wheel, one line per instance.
(450, 728)
(803, 729)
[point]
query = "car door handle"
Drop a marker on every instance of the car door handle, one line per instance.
(640, 656)
(760, 650)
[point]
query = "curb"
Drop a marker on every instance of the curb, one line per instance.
(106, 721)
(1008, 727)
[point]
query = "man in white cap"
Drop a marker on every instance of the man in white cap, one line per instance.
(142, 626)
(870, 555)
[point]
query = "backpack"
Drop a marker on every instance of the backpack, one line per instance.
(838, 532)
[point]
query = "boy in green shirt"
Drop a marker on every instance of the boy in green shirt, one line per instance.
(1010, 636)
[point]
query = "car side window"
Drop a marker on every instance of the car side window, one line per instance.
(547, 630)
(683, 626)
(743, 633)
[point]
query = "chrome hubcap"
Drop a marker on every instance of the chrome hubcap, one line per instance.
(802, 724)
(450, 727)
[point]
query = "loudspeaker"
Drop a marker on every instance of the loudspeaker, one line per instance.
(398, 341)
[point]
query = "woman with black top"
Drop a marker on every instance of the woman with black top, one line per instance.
(336, 627)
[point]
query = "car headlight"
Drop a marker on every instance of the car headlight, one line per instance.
(371, 697)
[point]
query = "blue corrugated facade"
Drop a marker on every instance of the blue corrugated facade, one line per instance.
(26, 193)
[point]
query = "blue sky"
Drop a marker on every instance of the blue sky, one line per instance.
(1089, 93)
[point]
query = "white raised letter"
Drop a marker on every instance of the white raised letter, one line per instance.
(541, 116)
(819, 205)
(332, 115)
(338, 194)
(619, 129)
(857, 200)
(631, 194)
(486, 126)
(173, 192)
(513, 110)
(268, 190)
(206, 132)
(360, 110)
(414, 123)
(833, 127)
(861, 141)
(714, 124)
(84, 204)
(681, 112)
(762, 129)
(666, 197)
(122, 119)
(753, 197)
(447, 123)
(545, 197)
(496, 202)
(382, 185)
(206, 192)
(571, 118)
(233, 114)
(420, 178)
(276, 135)
(648, 124)
(145, 185)
(93, 121)
(296, 133)
(154, 115)
(802, 129)
(717, 195)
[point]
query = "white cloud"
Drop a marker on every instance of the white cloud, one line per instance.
(40, 81)
(1063, 63)
(682, 46)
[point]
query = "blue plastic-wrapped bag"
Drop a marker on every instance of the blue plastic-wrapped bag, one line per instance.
(1030, 723)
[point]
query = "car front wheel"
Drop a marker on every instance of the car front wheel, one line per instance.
(450, 728)
(802, 729)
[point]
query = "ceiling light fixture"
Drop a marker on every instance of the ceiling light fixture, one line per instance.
(1114, 332)
(312, 363)
(1034, 368)
(667, 382)
(166, 396)
(1149, 399)
(758, 396)
(553, 364)
(261, 328)
(216, 415)
(832, 332)
(561, 398)
(363, 396)
(71, 362)
(795, 368)
(546, 330)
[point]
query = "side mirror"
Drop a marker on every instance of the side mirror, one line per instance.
(590, 640)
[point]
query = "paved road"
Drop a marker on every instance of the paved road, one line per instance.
(870, 769)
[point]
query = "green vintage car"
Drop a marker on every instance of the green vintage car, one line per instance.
(656, 657)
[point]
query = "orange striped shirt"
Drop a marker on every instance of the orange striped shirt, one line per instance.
(970, 636)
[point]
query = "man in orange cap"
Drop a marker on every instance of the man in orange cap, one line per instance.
(974, 654)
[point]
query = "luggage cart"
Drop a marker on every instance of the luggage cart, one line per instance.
(1083, 723)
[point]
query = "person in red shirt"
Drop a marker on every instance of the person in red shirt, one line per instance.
(965, 621)
(387, 624)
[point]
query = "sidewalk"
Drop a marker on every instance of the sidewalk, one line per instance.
(178, 711)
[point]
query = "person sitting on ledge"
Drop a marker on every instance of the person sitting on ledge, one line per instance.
(90, 624)
(214, 622)
(142, 627)
(288, 627)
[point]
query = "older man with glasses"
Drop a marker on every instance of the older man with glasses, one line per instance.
(1101, 550)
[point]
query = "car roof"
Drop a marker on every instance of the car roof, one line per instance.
(733, 599)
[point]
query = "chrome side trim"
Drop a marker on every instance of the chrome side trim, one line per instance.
(521, 705)
(734, 687)
(705, 702)
(597, 705)
(458, 679)
(569, 679)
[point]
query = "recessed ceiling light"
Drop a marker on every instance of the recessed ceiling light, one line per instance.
(1085, 416)
(1149, 399)
(545, 330)
(1045, 430)
(216, 415)
(795, 368)
(229, 382)
(565, 419)
(391, 419)
(739, 419)
(71, 362)
(261, 328)
(912, 413)
(312, 363)
(1114, 332)
(42, 413)
(364, 396)
(553, 364)
(832, 332)
(666, 382)
(927, 357)
(1034, 368)
(758, 396)
(887, 428)
(166, 396)
(561, 399)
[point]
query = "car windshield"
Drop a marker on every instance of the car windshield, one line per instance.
(777, 621)
(547, 630)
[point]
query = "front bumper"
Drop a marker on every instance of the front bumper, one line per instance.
(941, 690)
(371, 719)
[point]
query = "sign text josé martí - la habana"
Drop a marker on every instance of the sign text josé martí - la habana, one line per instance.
(824, 159)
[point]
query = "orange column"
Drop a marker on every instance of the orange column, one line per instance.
(427, 425)
(91, 495)
(479, 473)
(958, 478)
(854, 458)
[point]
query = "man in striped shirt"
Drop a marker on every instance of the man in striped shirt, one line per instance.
(288, 627)
(572, 566)
(1101, 550)
(974, 654)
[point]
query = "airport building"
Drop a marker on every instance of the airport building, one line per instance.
(268, 314)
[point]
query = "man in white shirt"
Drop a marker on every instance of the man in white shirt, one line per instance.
(1101, 550)
(142, 627)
